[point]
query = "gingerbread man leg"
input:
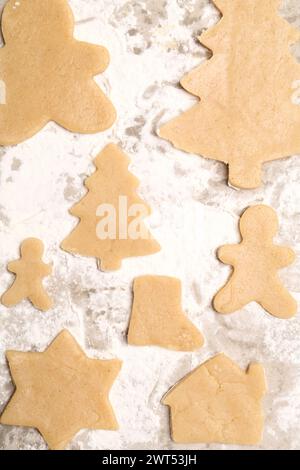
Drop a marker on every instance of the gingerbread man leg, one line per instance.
(279, 302)
(14, 295)
(41, 301)
(229, 299)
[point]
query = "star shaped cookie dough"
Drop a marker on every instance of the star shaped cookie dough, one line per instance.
(60, 391)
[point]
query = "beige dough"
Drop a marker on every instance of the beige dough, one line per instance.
(247, 115)
(111, 182)
(157, 318)
(60, 391)
(218, 403)
(45, 74)
(256, 261)
(30, 271)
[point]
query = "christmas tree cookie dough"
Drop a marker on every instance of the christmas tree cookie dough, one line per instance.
(111, 215)
(247, 115)
(218, 403)
(47, 75)
(157, 317)
(30, 271)
(256, 262)
(60, 391)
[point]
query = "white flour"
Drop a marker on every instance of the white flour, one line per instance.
(152, 45)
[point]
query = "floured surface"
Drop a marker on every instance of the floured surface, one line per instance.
(43, 178)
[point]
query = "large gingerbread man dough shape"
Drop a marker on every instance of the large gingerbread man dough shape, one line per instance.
(46, 75)
(256, 262)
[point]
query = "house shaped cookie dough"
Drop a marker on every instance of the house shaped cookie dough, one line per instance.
(218, 403)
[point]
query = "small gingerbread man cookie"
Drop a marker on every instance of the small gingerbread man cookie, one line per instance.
(256, 261)
(30, 271)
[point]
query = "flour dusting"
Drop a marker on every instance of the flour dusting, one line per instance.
(152, 44)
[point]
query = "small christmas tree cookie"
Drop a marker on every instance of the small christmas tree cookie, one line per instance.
(256, 261)
(30, 271)
(157, 318)
(47, 75)
(247, 115)
(112, 215)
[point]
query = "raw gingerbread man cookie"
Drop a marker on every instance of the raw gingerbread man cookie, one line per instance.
(157, 317)
(30, 271)
(60, 391)
(45, 74)
(256, 261)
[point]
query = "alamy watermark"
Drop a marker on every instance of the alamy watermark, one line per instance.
(123, 222)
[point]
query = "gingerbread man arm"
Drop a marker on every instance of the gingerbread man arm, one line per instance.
(284, 256)
(43, 269)
(94, 57)
(13, 266)
(227, 253)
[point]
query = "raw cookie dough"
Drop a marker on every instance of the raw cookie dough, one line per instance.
(30, 271)
(256, 261)
(45, 74)
(218, 403)
(247, 115)
(157, 318)
(60, 391)
(111, 215)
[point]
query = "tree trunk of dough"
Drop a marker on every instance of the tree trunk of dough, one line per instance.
(244, 175)
(107, 264)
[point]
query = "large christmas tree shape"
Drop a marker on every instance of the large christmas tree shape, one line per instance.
(247, 115)
(111, 225)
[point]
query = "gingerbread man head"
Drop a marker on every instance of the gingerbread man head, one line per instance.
(265, 221)
(51, 18)
(32, 249)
